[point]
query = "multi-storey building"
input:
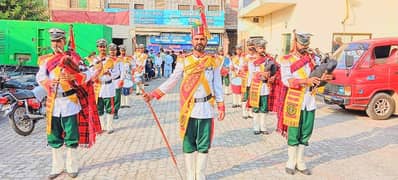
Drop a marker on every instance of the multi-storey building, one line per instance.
(156, 23)
(328, 20)
(84, 5)
(167, 23)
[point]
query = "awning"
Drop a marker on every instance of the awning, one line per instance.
(264, 7)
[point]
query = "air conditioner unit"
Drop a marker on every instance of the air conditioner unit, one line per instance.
(256, 19)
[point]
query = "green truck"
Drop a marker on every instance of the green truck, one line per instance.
(22, 42)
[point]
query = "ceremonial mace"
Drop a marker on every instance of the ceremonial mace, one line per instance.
(163, 134)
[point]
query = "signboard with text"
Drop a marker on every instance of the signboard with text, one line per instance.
(176, 17)
(180, 38)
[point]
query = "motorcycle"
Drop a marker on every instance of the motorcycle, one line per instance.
(22, 106)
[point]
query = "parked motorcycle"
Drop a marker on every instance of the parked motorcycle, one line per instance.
(23, 107)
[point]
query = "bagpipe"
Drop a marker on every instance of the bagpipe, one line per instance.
(327, 67)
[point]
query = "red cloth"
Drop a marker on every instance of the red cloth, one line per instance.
(89, 123)
(119, 18)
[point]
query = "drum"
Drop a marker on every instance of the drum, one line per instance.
(236, 84)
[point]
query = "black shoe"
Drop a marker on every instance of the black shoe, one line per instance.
(305, 171)
(53, 176)
(115, 116)
(127, 106)
(73, 175)
(290, 171)
(245, 117)
(265, 132)
(110, 131)
(250, 116)
(257, 132)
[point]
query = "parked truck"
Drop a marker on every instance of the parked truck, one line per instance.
(366, 78)
(21, 42)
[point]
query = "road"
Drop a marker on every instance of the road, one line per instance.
(344, 145)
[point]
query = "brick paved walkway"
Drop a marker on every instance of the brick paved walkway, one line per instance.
(345, 145)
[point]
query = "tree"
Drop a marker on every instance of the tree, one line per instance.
(23, 10)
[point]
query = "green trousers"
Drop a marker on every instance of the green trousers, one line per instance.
(105, 104)
(302, 133)
(198, 136)
(246, 94)
(225, 80)
(64, 130)
(263, 106)
(118, 99)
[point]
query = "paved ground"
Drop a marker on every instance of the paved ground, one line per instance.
(345, 145)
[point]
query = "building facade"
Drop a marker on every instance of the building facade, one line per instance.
(83, 5)
(327, 20)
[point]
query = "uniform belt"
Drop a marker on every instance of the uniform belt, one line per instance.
(66, 93)
(108, 82)
(204, 99)
(117, 78)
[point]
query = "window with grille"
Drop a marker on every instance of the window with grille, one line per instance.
(138, 6)
(184, 7)
(73, 3)
(213, 8)
(160, 4)
(118, 5)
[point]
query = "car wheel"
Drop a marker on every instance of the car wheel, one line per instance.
(381, 107)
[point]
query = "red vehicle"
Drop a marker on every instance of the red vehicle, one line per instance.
(366, 77)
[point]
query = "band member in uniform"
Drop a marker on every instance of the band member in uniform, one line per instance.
(245, 73)
(299, 107)
(201, 89)
(235, 68)
(224, 70)
(261, 70)
(140, 59)
(118, 82)
(59, 74)
(105, 87)
(126, 76)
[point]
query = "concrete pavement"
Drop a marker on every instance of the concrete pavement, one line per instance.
(344, 145)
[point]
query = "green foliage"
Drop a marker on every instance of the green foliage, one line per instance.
(23, 10)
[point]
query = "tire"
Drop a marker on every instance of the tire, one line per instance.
(21, 126)
(381, 107)
(342, 106)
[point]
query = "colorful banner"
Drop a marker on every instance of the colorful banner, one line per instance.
(180, 38)
(176, 17)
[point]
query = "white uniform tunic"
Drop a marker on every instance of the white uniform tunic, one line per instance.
(106, 90)
(63, 106)
(201, 110)
(117, 69)
(309, 100)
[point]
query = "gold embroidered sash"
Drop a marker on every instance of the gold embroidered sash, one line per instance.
(294, 100)
(194, 75)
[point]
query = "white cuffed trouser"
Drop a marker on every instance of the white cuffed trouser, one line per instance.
(292, 157)
(109, 122)
(244, 109)
(58, 161)
(201, 163)
(300, 158)
(226, 89)
(236, 99)
(103, 121)
(256, 122)
(262, 118)
(125, 101)
(72, 160)
(190, 165)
